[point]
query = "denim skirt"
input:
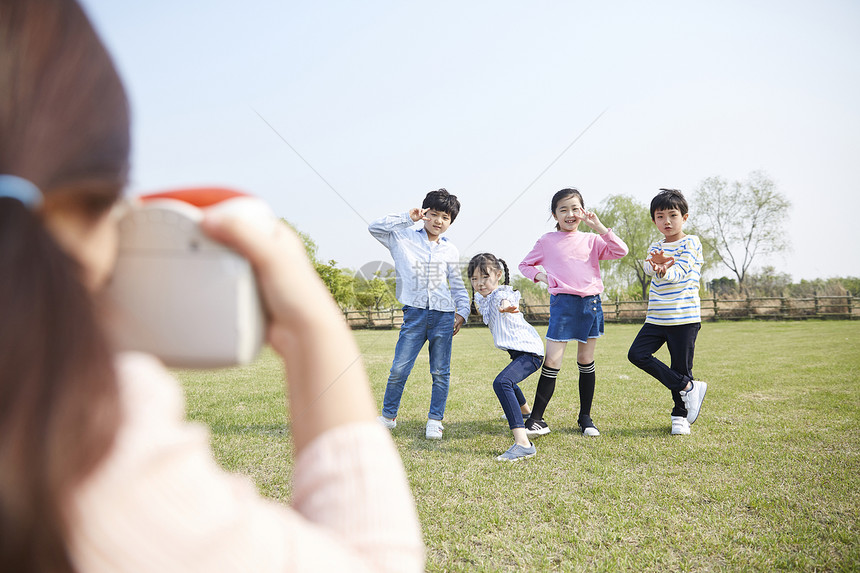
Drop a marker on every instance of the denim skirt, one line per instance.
(574, 317)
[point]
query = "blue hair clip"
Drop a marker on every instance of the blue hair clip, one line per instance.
(22, 190)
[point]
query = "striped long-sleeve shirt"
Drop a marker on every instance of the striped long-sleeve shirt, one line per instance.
(510, 330)
(674, 298)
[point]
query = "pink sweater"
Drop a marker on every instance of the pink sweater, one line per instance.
(570, 260)
(160, 503)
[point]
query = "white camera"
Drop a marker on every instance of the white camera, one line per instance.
(179, 295)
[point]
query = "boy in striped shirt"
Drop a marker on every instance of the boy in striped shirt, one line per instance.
(674, 264)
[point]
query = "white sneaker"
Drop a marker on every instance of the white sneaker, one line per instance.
(680, 426)
(536, 427)
(434, 430)
(693, 399)
(390, 424)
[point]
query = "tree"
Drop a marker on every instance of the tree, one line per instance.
(375, 286)
(339, 281)
(375, 293)
(767, 282)
(741, 220)
(723, 286)
(532, 293)
(631, 221)
(851, 285)
(826, 287)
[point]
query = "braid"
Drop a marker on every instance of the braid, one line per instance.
(472, 308)
(507, 272)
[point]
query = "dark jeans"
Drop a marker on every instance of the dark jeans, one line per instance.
(506, 385)
(681, 341)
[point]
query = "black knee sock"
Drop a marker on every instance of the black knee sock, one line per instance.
(545, 388)
(587, 379)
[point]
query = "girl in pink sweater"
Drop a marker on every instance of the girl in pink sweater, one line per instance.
(570, 267)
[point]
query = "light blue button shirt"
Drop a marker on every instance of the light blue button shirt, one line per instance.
(428, 273)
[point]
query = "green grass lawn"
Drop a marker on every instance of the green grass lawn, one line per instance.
(768, 480)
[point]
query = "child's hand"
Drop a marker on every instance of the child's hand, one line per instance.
(660, 263)
(660, 270)
(506, 306)
(458, 322)
(659, 258)
(417, 214)
(590, 219)
(305, 327)
(288, 282)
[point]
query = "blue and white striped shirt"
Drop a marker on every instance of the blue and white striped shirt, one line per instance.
(510, 331)
(428, 273)
(674, 298)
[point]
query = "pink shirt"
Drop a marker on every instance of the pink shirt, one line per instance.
(161, 503)
(571, 260)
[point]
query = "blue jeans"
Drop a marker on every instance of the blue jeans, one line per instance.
(419, 326)
(506, 385)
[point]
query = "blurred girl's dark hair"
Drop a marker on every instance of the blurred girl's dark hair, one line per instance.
(561, 196)
(64, 125)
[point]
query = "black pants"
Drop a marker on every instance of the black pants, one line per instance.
(681, 341)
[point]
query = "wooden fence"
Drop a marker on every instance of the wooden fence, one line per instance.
(764, 308)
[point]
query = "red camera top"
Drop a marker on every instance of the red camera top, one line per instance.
(197, 196)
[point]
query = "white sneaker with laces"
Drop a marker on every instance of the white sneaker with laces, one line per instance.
(680, 426)
(693, 399)
(536, 427)
(390, 424)
(434, 430)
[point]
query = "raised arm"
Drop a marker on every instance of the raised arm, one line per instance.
(382, 228)
(612, 246)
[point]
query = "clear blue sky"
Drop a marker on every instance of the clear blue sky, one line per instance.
(388, 100)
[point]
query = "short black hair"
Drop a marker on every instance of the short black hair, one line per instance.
(441, 200)
(669, 199)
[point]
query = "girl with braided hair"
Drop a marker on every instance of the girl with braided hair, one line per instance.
(498, 305)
